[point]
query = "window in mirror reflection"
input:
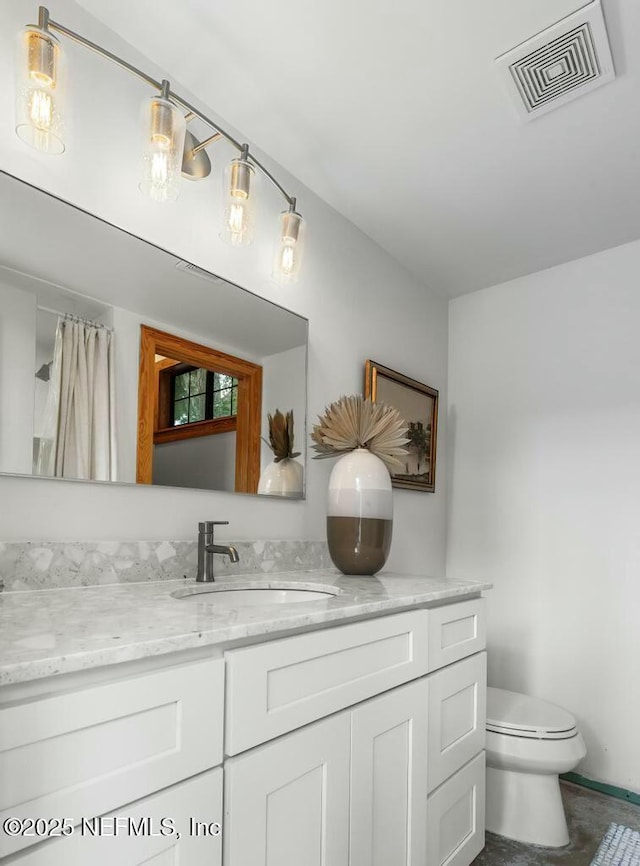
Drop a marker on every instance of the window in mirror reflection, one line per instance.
(200, 395)
(189, 394)
(199, 414)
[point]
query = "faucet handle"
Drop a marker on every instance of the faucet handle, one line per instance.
(207, 525)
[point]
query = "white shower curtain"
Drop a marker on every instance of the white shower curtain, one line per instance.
(79, 427)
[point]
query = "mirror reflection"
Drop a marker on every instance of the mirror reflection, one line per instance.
(199, 414)
(120, 362)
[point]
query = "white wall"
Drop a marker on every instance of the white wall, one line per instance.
(544, 428)
(360, 303)
(206, 462)
(17, 372)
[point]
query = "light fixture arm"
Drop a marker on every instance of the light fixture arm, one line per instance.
(43, 18)
(46, 23)
(206, 142)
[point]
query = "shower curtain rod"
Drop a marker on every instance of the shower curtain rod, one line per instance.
(75, 318)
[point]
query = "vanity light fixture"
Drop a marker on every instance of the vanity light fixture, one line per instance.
(38, 120)
(169, 148)
(289, 246)
(238, 211)
(164, 133)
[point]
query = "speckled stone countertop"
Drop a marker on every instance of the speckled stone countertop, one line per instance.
(59, 631)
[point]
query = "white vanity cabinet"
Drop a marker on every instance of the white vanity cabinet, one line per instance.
(358, 744)
(392, 779)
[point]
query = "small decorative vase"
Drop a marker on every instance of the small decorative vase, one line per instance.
(359, 513)
(284, 478)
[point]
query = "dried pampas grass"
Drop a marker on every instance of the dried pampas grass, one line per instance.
(353, 422)
(281, 435)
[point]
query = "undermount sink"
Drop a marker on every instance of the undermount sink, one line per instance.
(249, 595)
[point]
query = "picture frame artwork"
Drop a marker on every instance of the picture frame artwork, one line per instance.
(418, 405)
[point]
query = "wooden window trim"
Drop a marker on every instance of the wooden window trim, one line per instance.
(194, 429)
(247, 420)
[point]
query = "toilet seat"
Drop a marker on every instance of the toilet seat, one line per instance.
(517, 715)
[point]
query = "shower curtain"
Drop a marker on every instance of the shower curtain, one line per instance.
(79, 427)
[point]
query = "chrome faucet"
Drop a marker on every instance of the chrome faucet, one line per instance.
(206, 549)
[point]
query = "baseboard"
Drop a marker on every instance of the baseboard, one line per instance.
(611, 790)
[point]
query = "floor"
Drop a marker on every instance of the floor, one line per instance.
(588, 814)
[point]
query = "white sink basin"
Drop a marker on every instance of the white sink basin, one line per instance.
(242, 594)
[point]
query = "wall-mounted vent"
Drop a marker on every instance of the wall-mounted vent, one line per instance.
(197, 272)
(563, 62)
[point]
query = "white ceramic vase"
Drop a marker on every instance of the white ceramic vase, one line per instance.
(284, 478)
(359, 513)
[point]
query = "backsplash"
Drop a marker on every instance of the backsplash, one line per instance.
(49, 564)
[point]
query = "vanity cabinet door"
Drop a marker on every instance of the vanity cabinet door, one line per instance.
(389, 778)
(287, 802)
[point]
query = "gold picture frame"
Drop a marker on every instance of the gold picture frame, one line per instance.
(418, 405)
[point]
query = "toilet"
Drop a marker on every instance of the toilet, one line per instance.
(529, 742)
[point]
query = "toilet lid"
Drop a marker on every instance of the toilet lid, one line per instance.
(523, 716)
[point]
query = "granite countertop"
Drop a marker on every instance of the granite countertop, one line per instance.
(56, 631)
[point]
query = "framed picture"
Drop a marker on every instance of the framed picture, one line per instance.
(418, 405)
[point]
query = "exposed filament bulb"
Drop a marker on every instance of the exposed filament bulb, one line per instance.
(289, 246)
(41, 109)
(238, 214)
(287, 260)
(164, 130)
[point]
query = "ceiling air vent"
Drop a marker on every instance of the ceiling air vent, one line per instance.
(563, 62)
(197, 272)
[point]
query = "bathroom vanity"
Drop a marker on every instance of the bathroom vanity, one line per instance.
(344, 731)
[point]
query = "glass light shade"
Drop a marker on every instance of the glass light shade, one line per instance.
(289, 248)
(238, 205)
(164, 128)
(38, 91)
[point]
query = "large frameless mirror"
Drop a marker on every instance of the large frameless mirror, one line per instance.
(120, 362)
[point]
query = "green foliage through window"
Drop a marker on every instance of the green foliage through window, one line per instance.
(202, 395)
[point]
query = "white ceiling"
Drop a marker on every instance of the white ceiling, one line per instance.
(394, 113)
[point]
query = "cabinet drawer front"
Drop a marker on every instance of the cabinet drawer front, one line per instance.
(83, 753)
(136, 835)
(282, 685)
(457, 715)
(456, 631)
(455, 817)
(287, 802)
